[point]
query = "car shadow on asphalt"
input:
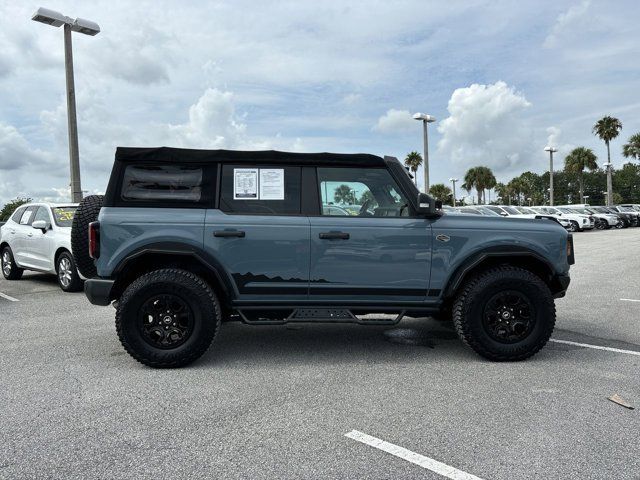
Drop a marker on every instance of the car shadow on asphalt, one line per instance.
(329, 343)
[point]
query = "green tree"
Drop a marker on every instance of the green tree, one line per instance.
(440, 191)
(631, 149)
(577, 161)
(504, 193)
(413, 160)
(607, 128)
(343, 194)
(366, 196)
(11, 207)
(479, 179)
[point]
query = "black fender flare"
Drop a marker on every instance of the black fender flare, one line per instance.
(475, 259)
(184, 250)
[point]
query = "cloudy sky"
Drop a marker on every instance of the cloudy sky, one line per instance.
(503, 79)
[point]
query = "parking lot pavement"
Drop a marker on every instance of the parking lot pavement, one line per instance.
(277, 401)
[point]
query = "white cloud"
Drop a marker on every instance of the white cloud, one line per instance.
(566, 20)
(16, 153)
(395, 121)
(487, 125)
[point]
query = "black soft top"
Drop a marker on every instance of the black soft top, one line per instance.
(187, 155)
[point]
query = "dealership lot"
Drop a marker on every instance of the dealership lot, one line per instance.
(277, 401)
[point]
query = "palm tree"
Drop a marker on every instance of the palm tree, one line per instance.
(344, 194)
(517, 187)
(607, 128)
(504, 192)
(413, 160)
(576, 162)
(631, 149)
(440, 191)
(479, 179)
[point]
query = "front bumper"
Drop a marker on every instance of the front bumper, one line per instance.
(98, 291)
(561, 283)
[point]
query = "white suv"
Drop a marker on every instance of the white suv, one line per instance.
(578, 222)
(38, 237)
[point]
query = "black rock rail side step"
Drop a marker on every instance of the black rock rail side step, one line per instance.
(318, 315)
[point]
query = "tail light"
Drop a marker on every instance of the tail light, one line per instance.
(94, 240)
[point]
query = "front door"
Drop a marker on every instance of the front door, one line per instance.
(38, 244)
(365, 245)
(258, 234)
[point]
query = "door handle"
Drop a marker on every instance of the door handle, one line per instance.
(29, 234)
(334, 236)
(228, 233)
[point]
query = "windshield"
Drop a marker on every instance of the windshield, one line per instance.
(511, 210)
(487, 211)
(63, 216)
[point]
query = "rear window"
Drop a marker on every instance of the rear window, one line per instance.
(17, 214)
(174, 183)
(63, 216)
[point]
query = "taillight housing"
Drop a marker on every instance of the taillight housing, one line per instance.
(94, 240)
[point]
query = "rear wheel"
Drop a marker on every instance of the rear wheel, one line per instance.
(505, 313)
(86, 213)
(10, 269)
(167, 318)
(67, 273)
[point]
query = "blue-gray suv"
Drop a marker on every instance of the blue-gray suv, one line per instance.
(186, 239)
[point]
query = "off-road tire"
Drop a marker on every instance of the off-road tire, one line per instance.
(15, 272)
(468, 311)
(190, 288)
(75, 284)
(86, 213)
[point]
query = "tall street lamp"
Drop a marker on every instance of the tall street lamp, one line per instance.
(56, 19)
(609, 167)
(426, 119)
(453, 181)
(551, 151)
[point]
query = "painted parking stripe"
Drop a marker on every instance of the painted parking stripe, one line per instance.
(629, 300)
(7, 297)
(596, 347)
(415, 458)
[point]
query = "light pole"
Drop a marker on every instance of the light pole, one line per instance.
(609, 166)
(453, 181)
(56, 19)
(426, 119)
(551, 151)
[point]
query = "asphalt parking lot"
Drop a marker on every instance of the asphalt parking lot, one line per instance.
(277, 401)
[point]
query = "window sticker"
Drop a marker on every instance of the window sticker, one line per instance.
(271, 184)
(245, 184)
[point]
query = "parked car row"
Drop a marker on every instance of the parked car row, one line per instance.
(38, 237)
(575, 218)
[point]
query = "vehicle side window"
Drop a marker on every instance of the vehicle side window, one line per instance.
(364, 192)
(27, 216)
(17, 214)
(163, 183)
(42, 214)
(260, 190)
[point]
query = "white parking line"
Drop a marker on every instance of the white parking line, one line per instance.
(596, 347)
(400, 452)
(629, 300)
(7, 297)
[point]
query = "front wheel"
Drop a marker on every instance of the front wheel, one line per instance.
(573, 226)
(10, 269)
(167, 318)
(505, 313)
(68, 278)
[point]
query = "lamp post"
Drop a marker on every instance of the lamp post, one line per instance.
(453, 181)
(56, 19)
(609, 166)
(426, 119)
(551, 151)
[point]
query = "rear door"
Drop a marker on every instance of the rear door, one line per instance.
(364, 244)
(258, 233)
(22, 230)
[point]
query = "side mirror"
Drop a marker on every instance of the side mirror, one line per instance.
(426, 204)
(504, 214)
(41, 225)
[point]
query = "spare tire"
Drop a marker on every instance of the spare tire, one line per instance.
(86, 213)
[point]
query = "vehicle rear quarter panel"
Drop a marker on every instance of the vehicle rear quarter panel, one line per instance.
(469, 236)
(124, 230)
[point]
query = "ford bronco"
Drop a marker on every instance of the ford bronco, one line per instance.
(186, 239)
